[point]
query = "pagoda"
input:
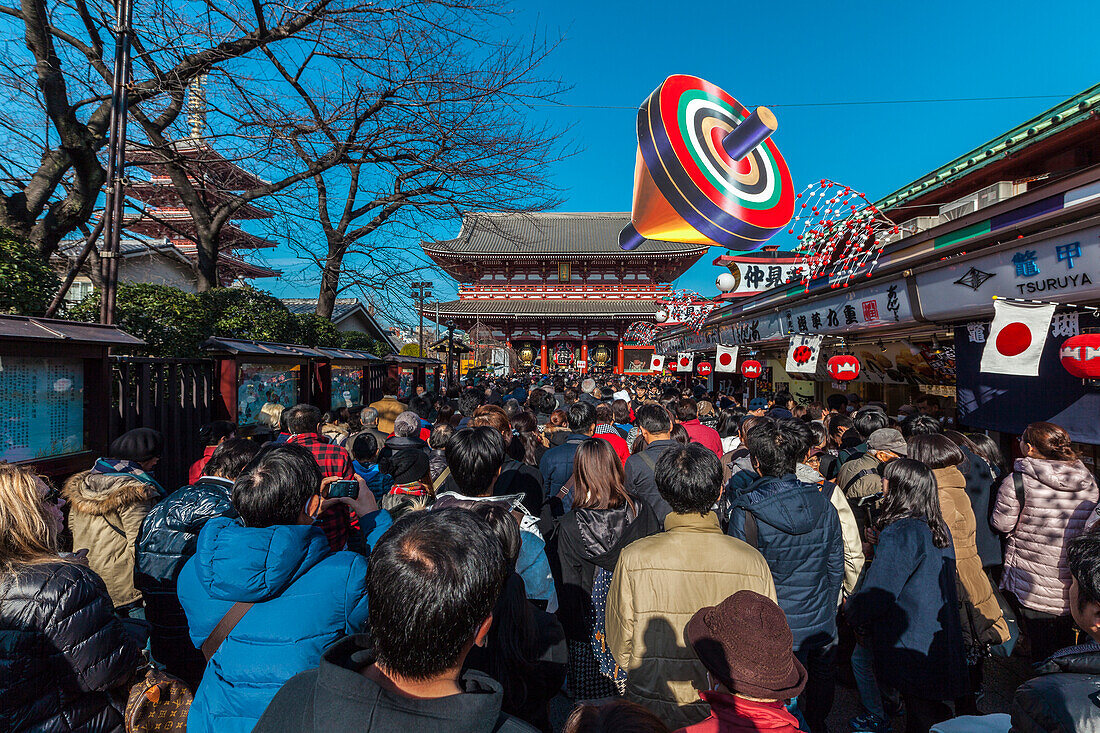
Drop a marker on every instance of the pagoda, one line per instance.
(166, 218)
(557, 288)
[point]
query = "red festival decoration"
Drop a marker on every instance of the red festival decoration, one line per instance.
(704, 368)
(840, 232)
(751, 369)
(843, 367)
(1081, 355)
(707, 171)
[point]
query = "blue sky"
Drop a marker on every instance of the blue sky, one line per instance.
(614, 53)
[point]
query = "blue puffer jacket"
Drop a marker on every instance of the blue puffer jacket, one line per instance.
(798, 533)
(306, 597)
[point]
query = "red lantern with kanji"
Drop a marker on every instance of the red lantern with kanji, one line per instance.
(1081, 355)
(751, 369)
(843, 367)
(704, 368)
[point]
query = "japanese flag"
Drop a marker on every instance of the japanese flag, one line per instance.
(725, 360)
(657, 364)
(1016, 338)
(685, 362)
(802, 354)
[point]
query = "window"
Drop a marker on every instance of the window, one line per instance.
(563, 272)
(78, 291)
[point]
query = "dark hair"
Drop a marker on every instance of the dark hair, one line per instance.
(728, 423)
(912, 494)
(505, 528)
(1083, 555)
(558, 419)
(617, 716)
(935, 451)
(598, 478)
(783, 398)
(475, 456)
(469, 401)
(542, 402)
(604, 414)
(493, 417)
(274, 488)
(1052, 441)
(389, 386)
(836, 422)
(653, 419)
(438, 571)
(363, 447)
(837, 401)
(581, 417)
(639, 443)
(817, 431)
(213, 433)
(443, 414)
(988, 450)
(302, 418)
(920, 425)
(229, 459)
(778, 445)
(680, 434)
(686, 409)
(689, 478)
(621, 411)
(525, 433)
(869, 419)
(441, 433)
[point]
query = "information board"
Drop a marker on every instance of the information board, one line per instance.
(43, 408)
(347, 386)
(405, 383)
(261, 384)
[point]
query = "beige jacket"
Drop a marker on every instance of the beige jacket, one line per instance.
(388, 408)
(978, 608)
(105, 516)
(659, 582)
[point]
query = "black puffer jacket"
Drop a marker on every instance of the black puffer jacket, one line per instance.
(1063, 696)
(61, 649)
(167, 540)
(591, 538)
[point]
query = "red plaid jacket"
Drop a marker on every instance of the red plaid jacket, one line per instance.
(334, 461)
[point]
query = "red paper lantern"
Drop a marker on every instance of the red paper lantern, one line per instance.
(751, 369)
(1081, 355)
(704, 368)
(843, 367)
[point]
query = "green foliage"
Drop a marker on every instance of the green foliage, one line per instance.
(359, 341)
(27, 284)
(244, 313)
(410, 350)
(313, 330)
(172, 322)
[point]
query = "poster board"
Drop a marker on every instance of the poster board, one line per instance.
(44, 413)
(262, 384)
(405, 377)
(347, 386)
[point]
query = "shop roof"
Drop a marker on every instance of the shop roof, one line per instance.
(57, 330)
(349, 354)
(398, 359)
(246, 347)
(578, 308)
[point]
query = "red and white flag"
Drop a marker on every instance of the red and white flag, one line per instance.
(725, 360)
(802, 354)
(1016, 338)
(657, 364)
(685, 362)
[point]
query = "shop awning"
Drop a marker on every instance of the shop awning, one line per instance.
(24, 328)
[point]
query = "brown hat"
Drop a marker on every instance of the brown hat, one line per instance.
(746, 644)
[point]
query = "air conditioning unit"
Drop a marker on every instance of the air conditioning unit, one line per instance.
(980, 199)
(910, 227)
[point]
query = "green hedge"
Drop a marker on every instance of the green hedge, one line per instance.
(27, 284)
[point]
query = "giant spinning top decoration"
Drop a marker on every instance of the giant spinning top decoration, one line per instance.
(707, 171)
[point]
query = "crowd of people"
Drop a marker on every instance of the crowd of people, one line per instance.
(656, 553)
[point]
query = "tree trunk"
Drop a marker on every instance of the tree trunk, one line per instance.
(206, 271)
(330, 277)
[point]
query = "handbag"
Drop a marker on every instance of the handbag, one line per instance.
(160, 702)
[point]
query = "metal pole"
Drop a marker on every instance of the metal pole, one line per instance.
(450, 354)
(116, 160)
(421, 310)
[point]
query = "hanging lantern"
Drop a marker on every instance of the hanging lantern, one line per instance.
(751, 369)
(704, 368)
(843, 367)
(726, 282)
(1081, 355)
(661, 316)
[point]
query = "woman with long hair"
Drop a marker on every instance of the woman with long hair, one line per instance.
(906, 611)
(988, 450)
(982, 621)
(1040, 507)
(604, 519)
(728, 423)
(516, 475)
(62, 648)
(525, 431)
(524, 651)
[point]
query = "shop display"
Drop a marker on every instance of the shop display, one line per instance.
(45, 408)
(707, 171)
(261, 384)
(347, 386)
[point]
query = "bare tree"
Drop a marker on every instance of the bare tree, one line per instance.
(55, 100)
(449, 132)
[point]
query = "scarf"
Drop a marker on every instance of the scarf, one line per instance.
(117, 466)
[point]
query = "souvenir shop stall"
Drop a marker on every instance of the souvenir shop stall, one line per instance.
(412, 372)
(55, 384)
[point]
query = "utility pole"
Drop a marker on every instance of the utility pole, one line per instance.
(450, 354)
(421, 291)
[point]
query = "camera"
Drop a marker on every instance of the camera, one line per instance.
(348, 488)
